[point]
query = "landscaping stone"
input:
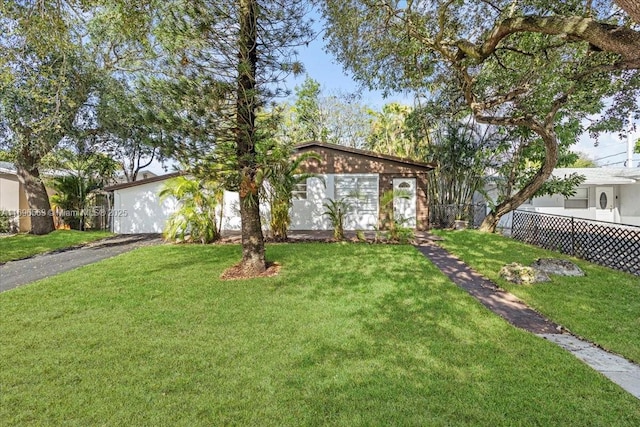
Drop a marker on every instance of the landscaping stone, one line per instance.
(561, 267)
(522, 275)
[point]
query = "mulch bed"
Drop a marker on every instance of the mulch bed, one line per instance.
(237, 273)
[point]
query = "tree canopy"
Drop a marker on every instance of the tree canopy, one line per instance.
(54, 54)
(532, 65)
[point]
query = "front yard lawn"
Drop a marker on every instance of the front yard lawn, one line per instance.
(603, 306)
(26, 245)
(347, 334)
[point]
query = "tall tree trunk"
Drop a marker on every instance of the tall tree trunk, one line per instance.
(253, 259)
(550, 139)
(37, 197)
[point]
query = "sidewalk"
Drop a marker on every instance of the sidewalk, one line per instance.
(21, 272)
(506, 305)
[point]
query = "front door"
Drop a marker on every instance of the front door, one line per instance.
(404, 201)
(605, 204)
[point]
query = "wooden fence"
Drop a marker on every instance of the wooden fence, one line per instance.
(612, 245)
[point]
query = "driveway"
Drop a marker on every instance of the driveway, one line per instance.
(17, 273)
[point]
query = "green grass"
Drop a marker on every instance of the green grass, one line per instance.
(603, 306)
(26, 245)
(352, 335)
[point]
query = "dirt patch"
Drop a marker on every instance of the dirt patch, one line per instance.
(237, 273)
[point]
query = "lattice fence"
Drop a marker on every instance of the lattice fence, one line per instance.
(612, 245)
(444, 216)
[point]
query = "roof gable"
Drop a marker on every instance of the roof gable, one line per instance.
(341, 159)
(157, 178)
(334, 159)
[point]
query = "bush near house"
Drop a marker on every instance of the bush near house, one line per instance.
(196, 219)
(337, 211)
(5, 222)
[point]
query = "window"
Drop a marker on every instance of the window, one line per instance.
(300, 191)
(580, 200)
(361, 191)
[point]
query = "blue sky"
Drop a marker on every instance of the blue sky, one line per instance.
(324, 68)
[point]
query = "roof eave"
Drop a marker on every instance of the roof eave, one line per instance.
(357, 151)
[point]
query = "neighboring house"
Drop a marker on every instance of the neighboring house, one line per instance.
(361, 177)
(12, 197)
(120, 177)
(607, 194)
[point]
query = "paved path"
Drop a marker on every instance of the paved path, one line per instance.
(16, 273)
(507, 305)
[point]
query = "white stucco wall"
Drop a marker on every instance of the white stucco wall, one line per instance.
(626, 205)
(9, 192)
(356, 220)
(14, 199)
(629, 199)
(138, 209)
(555, 205)
(307, 214)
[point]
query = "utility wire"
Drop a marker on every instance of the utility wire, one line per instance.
(613, 155)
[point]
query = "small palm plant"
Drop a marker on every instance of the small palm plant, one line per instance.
(283, 175)
(337, 211)
(195, 220)
(395, 226)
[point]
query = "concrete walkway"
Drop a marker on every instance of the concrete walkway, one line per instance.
(17, 273)
(507, 305)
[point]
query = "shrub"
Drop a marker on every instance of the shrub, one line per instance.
(395, 227)
(337, 211)
(195, 219)
(6, 218)
(283, 174)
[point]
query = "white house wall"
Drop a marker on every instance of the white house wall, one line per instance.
(9, 192)
(555, 205)
(626, 208)
(231, 208)
(357, 220)
(139, 209)
(629, 197)
(308, 214)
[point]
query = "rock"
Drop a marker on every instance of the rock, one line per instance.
(561, 267)
(520, 274)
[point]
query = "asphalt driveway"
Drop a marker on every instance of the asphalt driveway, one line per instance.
(17, 273)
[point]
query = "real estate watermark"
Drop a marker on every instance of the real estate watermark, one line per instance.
(63, 213)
